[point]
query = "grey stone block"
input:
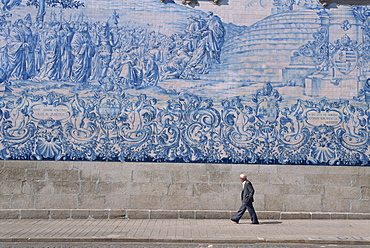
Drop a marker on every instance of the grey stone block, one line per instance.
(339, 216)
(164, 214)
(205, 188)
(146, 202)
(117, 214)
(306, 189)
(134, 188)
(359, 216)
(12, 174)
(35, 174)
(259, 202)
(186, 214)
(5, 201)
(341, 170)
(365, 193)
(20, 164)
(145, 166)
(89, 187)
(178, 166)
(180, 176)
(360, 180)
(321, 216)
(299, 169)
(90, 175)
(80, 213)
(87, 201)
(249, 168)
(268, 215)
(63, 175)
(180, 189)
(102, 166)
(162, 176)
(185, 166)
(115, 175)
(222, 177)
(23, 201)
(342, 192)
(27, 187)
(47, 202)
(198, 176)
(218, 202)
(99, 214)
(257, 178)
(57, 165)
(361, 206)
(268, 169)
(141, 176)
(10, 187)
(9, 214)
(233, 188)
(56, 201)
(60, 213)
(154, 189)
(327, 179)
(66, 188)
(273, 203)
(114, 188)
(305, 203)
(218, 167)
(180, 202)
(290, 179)
(336, 205)
(68, 201)
(44, 188)
(295, 215)
(269, 189)
(84, 165)
(34, 214)
(210, 214)
(117, 202)
(138, 214)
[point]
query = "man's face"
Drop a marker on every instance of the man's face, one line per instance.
(242, 179)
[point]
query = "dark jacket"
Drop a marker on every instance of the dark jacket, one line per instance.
(247, 192)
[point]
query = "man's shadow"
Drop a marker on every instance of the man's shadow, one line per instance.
(264, 223)
(270, 222)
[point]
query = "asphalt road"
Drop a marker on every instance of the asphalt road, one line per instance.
(170, 245)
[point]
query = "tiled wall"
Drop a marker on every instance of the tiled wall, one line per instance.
(238, 82)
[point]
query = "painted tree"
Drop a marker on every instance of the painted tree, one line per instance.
(41, 6)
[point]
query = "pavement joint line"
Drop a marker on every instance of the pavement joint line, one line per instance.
(174, 240)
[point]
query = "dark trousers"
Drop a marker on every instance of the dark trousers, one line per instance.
(248, 205)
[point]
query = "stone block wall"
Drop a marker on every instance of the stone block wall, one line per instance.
(164, 189)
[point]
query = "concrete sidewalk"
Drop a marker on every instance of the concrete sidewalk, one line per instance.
(345, 232)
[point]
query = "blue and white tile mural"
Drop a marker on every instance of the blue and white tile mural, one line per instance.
(152, 81)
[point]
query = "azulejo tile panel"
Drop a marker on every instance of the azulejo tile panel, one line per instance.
(157, 80)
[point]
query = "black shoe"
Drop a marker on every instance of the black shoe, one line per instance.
(236, 221)
(255, 223)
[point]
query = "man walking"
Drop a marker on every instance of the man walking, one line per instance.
(247, 201)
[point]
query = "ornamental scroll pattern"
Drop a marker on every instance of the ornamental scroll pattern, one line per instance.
(190, 128)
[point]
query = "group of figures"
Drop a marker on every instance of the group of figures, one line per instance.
(79, 51)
